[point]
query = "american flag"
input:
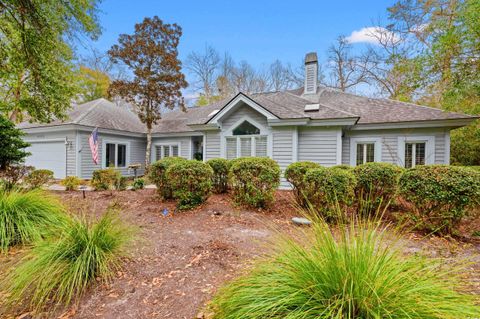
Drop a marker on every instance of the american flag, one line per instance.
(93, 141)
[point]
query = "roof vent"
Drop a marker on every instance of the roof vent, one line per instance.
(312, 107)
(311, 73)
(213, 113)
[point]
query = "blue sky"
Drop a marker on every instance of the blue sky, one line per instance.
(256, 31)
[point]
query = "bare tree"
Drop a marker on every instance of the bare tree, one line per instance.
(345, 69)
(278, 76)
(204, 65)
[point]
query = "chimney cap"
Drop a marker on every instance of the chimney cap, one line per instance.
(311, 57)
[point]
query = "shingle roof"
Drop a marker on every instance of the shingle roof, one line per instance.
(333, 104)
(99, 113)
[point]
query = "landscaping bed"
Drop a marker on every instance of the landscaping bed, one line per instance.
(178, 261)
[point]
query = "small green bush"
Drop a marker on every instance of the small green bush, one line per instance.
(71, 183)
(121, 183)
(344, 166)
(254, 181)
(58, 271)
(356, 272)
(27, 216)
(156, 174)
(138, 183)
(105, 179)
(327, 188)
(441, 195)
(377, 184)
(191, 182)
(38, 178)
(220, 167)
(295, 174)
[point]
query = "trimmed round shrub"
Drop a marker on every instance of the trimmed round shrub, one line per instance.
(220, 167)
(254, 181)
(105, 179)
(138, 183)
(344, 166)
(377, 184)
(156, 174)
(26, 217)
(295, 174)
(356, 272)
(329, 189)
(441, 195)
(191, 182)
(38, 178)
(71, 183)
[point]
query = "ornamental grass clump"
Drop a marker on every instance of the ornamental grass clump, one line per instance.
(28, 216)
(57, 271)
(254, 181)
(353, 271)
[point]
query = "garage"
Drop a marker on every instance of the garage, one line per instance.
(48, 155)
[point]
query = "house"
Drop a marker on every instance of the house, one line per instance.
(312, 123)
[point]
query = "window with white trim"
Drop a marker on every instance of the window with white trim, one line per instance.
(115, 155)
(246, 140)
(365, 153)
(414, 154)
(163, 151)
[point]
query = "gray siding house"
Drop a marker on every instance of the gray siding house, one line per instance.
(312, 123)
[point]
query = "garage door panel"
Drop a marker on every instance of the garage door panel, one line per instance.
(48, 155)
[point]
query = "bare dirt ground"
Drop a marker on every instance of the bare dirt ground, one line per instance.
(178, 261)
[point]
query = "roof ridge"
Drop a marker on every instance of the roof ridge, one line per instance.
(81, 117)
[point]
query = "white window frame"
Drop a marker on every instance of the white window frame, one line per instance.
(429, 148)
(377, 141)
(170, 145)
(264, 132)
(116, 142)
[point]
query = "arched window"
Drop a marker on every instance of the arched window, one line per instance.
(246, 128)
(246, 141)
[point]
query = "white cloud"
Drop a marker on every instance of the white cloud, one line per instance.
(372, 35)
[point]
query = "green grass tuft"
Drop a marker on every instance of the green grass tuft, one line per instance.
(57, 272)
(356, 271)
(27, 216)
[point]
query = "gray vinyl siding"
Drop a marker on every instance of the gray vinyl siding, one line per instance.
(183, 142)
(282, 151)
(212, 145)
(71, 169)
(237, 114)
(137, 153)
(389, 142)
(318, 145)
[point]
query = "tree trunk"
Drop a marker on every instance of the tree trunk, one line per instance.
(149, 144)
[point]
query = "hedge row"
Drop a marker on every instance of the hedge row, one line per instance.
(440, 195)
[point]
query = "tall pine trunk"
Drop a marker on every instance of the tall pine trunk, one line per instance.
(149, 144)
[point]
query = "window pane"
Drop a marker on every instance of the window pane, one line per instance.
(359, 154)
(246, 128)
(370, 153)
(166, 151)
(231, 148)
(408, 155)
(245, 147)
(420, 154)
(261, 146)
(110, 155)
(175, 150)
(122, 155)
(158, 152)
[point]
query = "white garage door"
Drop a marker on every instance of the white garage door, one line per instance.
(48, 155)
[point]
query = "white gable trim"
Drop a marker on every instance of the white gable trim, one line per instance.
(235, 102)
(263, 130)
